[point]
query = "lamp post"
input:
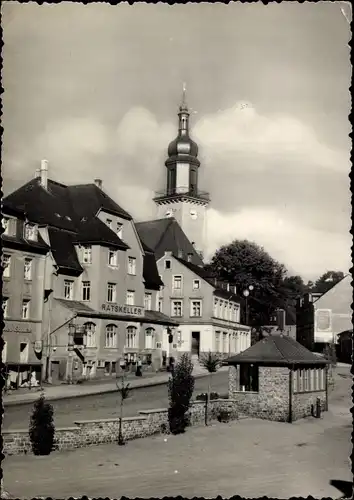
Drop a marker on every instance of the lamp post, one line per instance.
(246, 293)
(69, 373)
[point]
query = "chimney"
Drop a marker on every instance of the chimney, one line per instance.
(189, 257)
(44, 174)
(98, 183)
(180, 254)
(228, 286)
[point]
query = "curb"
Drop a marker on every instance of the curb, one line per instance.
(93, 393)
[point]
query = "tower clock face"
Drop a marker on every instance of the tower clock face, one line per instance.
(193, 214)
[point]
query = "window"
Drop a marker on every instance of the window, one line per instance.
(149, 338)
(68, 289)
(177, 282)
(114, 367)
(196, 284)
(131, 266)
(28, 269)
(196, 308)
(111, 292)
(217, 341)
(6, 225)
(130, 298)
(111, 336)
(87, 254)
(216, 308)
(6, 264)
(225, 343)
(90, 334)
(30, 232)
(4, 352)
(249, 377)
(131, 337)
(107, 367)
(86, 290)
(230, 312)
(308, 380)
(119, 230)
(109, 223)
(23, 352)
(112, 258)
(160, 306)
(5, 303)
(176, 308)
(147, 301)
(167, 264)
(25, 309)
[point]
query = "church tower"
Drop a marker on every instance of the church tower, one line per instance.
(182, 198)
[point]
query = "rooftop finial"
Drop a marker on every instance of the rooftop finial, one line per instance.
(184, 102)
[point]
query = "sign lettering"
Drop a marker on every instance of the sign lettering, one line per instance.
(123, 310)
(17, 328)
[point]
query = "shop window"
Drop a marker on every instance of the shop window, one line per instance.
(113, 367)
(249, 378)
(107, 367)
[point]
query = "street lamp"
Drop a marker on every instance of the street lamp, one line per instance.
(246, 293)
(72, 331)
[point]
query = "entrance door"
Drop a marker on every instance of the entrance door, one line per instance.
(55, 371)
(195, 343)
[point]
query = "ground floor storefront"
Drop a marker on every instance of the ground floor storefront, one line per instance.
(222, 337)
(96, 345)
(22, 353)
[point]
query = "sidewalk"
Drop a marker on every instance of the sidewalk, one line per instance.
(64, 391)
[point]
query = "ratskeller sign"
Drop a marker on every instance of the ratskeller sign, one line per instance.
(124, 310)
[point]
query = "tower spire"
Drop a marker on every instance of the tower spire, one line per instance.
(183, 106)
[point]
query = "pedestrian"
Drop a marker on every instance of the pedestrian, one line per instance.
(139, 372)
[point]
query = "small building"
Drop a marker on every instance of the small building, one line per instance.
(278, 379)
(321, 318)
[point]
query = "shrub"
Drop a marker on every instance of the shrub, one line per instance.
(224, 416)
(203, 396)
(180, 391)
(211, 362)
(42, 428)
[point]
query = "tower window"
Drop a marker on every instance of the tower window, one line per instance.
(167, 264)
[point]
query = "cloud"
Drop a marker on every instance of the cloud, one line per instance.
(271, 179)
(303, 250)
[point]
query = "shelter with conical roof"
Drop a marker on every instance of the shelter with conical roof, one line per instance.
(279, 379)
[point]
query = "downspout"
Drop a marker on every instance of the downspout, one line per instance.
(326, 372)
(290, 415)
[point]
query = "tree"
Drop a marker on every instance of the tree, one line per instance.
(124, 392)
(42, 428)
(180, 391)
(245, 263)
(327, 281)
(211, 362)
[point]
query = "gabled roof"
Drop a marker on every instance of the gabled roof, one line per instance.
(19, 243)
(63, 250)
(88, 199)
(166, 235)
(43, 206)
(205, 275)
(277, 350)
(94, 231)
(151, 275)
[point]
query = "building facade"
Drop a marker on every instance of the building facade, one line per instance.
(208, 315)
(320, 319)
(23, 270)
(97, 278)
(182, 198)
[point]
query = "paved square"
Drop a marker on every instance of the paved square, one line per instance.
(249, 457)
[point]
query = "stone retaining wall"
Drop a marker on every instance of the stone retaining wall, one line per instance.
(92, 432)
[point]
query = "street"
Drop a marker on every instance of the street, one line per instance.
(66, 411)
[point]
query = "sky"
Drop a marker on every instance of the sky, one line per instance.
(95, 90)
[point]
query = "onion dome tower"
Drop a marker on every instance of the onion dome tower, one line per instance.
(182, 198)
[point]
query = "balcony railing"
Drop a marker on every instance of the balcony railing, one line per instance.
(178, 192)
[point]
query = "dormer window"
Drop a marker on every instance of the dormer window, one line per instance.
(109, 223)
(30, 232)
(87, 254)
